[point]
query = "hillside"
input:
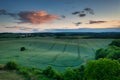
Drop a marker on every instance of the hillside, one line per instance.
(10, 75)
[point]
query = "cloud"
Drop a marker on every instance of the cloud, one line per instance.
(36, 17)
(82, 15)
(84, 12)
(19, 27)
(89, 10)
(78, 23)
(33, 17)
(96, 22)
(102, 24)
(35, 30)
(4, 12)
(63, 16)
(76, 12)
(13, 27)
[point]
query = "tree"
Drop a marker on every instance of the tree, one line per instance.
(69, 74)
(103, 69)
(22, 49)
(50, 72)
(57, 75)
(79, 73)
(115, 43)
(114, 55)
(101, 53)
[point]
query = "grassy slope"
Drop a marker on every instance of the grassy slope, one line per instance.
(11, 75)
(7, 75)
(43, 52)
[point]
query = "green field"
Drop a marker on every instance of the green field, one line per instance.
(41, 52)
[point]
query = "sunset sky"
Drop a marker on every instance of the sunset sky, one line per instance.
(59, 15)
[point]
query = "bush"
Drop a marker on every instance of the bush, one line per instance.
(23, 70)
(51, 73)
(11, 65)
(101, 53)
(57, 75)
(1, 66)
(115, 43)
(80, 72)
(114, 55)
(48, 71)
(35, 71)
(22, 49)
(69, 74)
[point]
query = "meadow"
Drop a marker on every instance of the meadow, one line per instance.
(42, 52)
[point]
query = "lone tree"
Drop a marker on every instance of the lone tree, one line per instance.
(22, 49)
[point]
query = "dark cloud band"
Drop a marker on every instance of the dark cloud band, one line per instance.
(96, 22)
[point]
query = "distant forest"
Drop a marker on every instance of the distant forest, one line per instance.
(64, 35)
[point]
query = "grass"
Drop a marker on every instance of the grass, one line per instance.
(7, 75)
(41, 52)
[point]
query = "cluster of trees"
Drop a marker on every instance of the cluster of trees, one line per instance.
(48, 73)
(112, 52)
(105, 67)
(102, 69)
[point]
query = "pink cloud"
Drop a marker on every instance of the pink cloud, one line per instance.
(36, 17)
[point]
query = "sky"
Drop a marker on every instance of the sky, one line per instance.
(59, 15)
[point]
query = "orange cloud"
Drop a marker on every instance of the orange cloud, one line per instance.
(36, 17)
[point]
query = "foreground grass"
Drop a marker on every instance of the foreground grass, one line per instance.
(10, 75)
(15, 75)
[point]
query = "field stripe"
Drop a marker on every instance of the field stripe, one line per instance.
(55, 65)
(55, 58)
(93, 49)
(78, 52)
(52, 46)
(64, 48)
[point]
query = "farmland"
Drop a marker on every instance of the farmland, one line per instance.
(41, 52)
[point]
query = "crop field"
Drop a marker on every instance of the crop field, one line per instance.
(41, 52)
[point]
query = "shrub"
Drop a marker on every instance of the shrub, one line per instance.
(114, 55)
(51, 73)
(115, 43)
(22, 49)
(69, 74)
(48, 71)
(35, 71)
(103, 53)
(80, 72)
(11, 65)
(1, 66)
(23, 70)
(57, 75)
